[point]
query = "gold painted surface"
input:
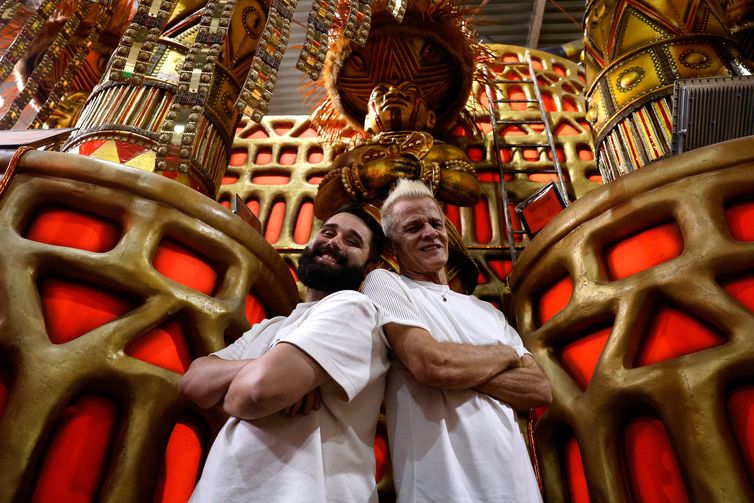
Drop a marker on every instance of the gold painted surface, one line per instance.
(662, 41)
(46, 377)
(199, 133)
(562, 86)
(686, 393)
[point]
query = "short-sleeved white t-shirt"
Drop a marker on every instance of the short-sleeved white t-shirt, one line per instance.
(450, 445)
(328, 455)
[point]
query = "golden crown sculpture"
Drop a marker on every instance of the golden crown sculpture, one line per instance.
(633, 54)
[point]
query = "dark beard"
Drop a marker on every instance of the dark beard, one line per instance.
(328, 278)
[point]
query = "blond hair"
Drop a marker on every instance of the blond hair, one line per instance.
(404, 189)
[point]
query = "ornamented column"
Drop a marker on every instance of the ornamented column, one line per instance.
(634, 52)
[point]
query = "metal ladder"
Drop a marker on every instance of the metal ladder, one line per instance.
(495, 121)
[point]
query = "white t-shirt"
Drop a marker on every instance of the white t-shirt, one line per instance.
(328, 455)
(450, 445)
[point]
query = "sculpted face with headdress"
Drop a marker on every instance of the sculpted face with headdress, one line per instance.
(405, 89)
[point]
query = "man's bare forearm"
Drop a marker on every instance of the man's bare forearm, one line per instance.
(208, 378)
(522, 388)
(447, 364)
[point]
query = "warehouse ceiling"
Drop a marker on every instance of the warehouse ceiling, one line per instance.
(539, 24)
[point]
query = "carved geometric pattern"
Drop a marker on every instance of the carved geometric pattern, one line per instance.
(679, 340)
(89, 320)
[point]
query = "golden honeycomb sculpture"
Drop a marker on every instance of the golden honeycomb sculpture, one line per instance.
(54, 359)
(667, 344)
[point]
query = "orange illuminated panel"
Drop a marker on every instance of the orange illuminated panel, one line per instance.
(554, 299)
(74, 229)
(303, 229)
(164, 346)
(742, 290)
(565, 129)
(72, 309)
(482, 222)
(75, 462)
(315, 155)
(643, 250)
(453, 213)
(500, 267)
(740, 219)
(475, 154)
(580, 357)
(275, 223)
(263, 156)
(288, 156)
(270, 179)
(185, 267)
(282, 128)
(648, 453)
(741, 414)
(482, 278)
(254, 309)
(517, 94)
(180, 467)
(229, 178)
(577, 487)
(673, 333)
(238, 157)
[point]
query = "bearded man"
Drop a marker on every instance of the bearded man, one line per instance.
(303, 391)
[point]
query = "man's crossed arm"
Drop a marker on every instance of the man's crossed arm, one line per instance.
(255, 388)
(494, 369)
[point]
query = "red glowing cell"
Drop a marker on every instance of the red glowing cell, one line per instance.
(500, 267)
(554, 299)
(303, 229)
(577, 487)
(238, 157)
(673, 333)
(180, 467)
(164, 346)
(651, 463)
(185, 267)
(482, 222)
(75, 463)
(72, 310)
(742, 290)
(275, 223)
(74, 229)
(270, 179)
(580, 357)
(454, 215)
(254, 309)
(740, 219)
(643, 250)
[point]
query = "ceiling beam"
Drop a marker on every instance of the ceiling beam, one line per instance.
(535, 24)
